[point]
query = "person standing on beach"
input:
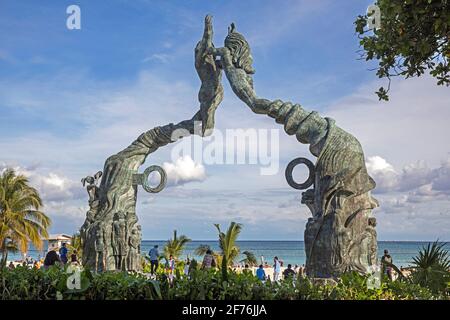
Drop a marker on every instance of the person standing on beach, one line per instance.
(276, 268)
(11, 265)
(171, 268)
(154, 255)
(289, 273)
(301, 271)
(51, 259)
(186, 267)
(63, 253)
(73, 257)
(247, 270)
(208, 260)
(387, 259)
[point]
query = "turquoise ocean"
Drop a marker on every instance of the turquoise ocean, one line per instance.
(292, 252)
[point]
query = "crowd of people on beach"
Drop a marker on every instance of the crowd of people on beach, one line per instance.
(263, 272)
(51, 258)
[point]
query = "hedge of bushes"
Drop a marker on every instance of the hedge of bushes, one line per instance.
(39, 284)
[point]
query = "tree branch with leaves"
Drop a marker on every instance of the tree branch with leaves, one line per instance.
(413, 38)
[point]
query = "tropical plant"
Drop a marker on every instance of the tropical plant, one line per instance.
(21, 220)
(202, 249)
(175, 246)
(227, 243)
(23, 283)
(432, 267)
(249, 259)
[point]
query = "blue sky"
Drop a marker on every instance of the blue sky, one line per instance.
(71, 98)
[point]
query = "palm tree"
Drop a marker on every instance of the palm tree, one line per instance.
(432, 267)
(202, 249)
(249, 259)
(21, 220)
(75, 244)
(227, 243)
(175, 246)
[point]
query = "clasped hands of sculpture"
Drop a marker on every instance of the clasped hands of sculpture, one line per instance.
(340, 235)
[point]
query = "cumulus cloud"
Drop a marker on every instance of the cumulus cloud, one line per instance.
(383, 172)
(64, 200)
(52, 187)
(416, 177)
(184, 170)
(441, 181)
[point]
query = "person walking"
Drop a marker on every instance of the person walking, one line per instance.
(386, 261)
(154, 256)
(276, 268)
(63, 253)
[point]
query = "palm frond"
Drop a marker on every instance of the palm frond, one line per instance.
(175, 246)
(249, 259)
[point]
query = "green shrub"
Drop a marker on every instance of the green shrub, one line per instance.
(25, 284)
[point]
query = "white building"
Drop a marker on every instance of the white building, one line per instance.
(55, 241)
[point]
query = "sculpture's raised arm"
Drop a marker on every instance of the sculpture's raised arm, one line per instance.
(211, 90)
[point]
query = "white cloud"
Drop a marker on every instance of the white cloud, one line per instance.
(184, 170)
(158, 57)
(52, 187)
(378, 164)
(417, 178)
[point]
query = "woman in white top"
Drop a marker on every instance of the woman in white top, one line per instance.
(276, 269)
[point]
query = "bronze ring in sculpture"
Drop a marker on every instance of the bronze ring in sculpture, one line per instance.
(290, 167)
(142, 179)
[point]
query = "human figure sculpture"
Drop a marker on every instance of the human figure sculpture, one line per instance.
(340, 200)
(93, 192)
(133, 256)
(120, 240)
(99, 250)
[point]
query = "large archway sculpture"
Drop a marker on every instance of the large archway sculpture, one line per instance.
(340, 236)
